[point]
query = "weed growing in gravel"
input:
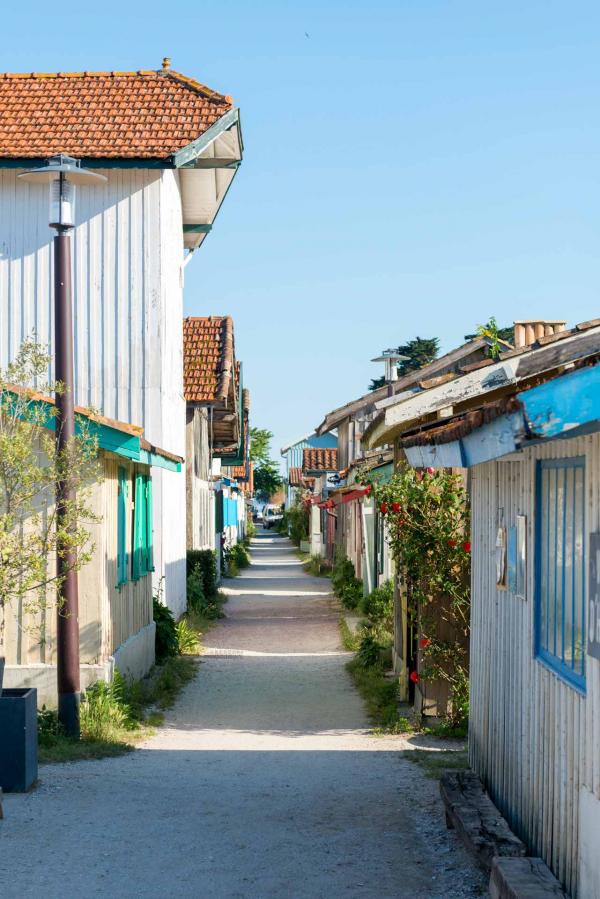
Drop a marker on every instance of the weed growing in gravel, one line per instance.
(117, 715)
(317, 566)
(435, 762)
(380, 695)
(350, 639)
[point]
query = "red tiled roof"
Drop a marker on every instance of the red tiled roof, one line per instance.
(319, 459)
(144, 114)
(295, 477)
(208, 355)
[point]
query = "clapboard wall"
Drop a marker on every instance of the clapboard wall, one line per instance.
(534, 739)
(128, 309)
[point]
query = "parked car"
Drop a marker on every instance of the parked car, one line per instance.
(272, 515)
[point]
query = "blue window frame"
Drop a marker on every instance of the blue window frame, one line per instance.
(560, 567)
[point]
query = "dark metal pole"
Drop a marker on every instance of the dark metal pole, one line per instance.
(67, 636)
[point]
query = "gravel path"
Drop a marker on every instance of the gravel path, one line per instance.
(264, 781)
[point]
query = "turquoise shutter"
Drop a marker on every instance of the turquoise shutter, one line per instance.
(149, 532)
(139, 535)
(122, 527)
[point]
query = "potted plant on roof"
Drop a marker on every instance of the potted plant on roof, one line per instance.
(30, 466)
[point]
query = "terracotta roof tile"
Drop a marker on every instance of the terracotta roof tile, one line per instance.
(295, 477)
(104, 114)
(208, 354)
(319, 459)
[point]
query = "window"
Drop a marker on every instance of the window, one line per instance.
(560, 567)
(142, 560)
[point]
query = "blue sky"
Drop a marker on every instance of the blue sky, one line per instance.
(410, 168)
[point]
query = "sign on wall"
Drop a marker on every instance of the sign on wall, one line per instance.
(593, 646)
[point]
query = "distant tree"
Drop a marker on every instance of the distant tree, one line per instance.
(497, 336)
(260, 445)
(420, 351)
(267, 476)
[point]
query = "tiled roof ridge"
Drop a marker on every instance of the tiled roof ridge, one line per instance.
(191, 83)
(321, 458)
(212, 344)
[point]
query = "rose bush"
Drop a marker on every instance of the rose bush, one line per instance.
(427, 525)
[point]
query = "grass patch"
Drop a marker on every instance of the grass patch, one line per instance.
(316, 565)
(448, 729)
(350, 639)
(116, 716)
(435, 762)
(381, 698)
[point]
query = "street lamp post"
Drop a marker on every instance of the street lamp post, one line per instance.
(63, 173)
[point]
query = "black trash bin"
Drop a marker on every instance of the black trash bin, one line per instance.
(18, 739)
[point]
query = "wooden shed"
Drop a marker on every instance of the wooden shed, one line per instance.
(116, 624)
(527, 427)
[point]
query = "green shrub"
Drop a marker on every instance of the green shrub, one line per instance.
(345, 584)
(315, 565)
(369, 651)
(104, 710)
(166, 635)
(295, 523)
(351, 593)
(197, 600)
(378, 605)
(49, 727)
(205, 559)
(196, 597)
(187, 638)
(236, 557)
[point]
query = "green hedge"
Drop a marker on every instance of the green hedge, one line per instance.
(205, 560)
(345, 584)
(166, 643)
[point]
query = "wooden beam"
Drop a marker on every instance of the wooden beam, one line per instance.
(213, 162)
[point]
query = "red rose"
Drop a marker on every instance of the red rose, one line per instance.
(424, 641)
(414, 677)
(383, 508)
(452, 543)
(431, 471)
(396, 507)
(368, 490)
(466, 546)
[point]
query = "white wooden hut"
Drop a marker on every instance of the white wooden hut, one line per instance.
(169, 148)
(528, 429)
(116, 625)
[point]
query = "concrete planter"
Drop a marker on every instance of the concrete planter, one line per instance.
(18, 746)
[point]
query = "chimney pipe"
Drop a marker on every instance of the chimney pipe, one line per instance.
(527, 332)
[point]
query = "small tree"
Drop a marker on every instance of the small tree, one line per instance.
(419, 352)
(267, 476)
(30, 467)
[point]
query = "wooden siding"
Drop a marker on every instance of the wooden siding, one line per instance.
(128, 308)
(108, 615)
(534, 739)
(200, 502)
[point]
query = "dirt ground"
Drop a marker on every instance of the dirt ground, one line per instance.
(264, 781)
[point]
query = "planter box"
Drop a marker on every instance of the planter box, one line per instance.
(18, 743)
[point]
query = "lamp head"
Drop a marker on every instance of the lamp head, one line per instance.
(62, 173)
